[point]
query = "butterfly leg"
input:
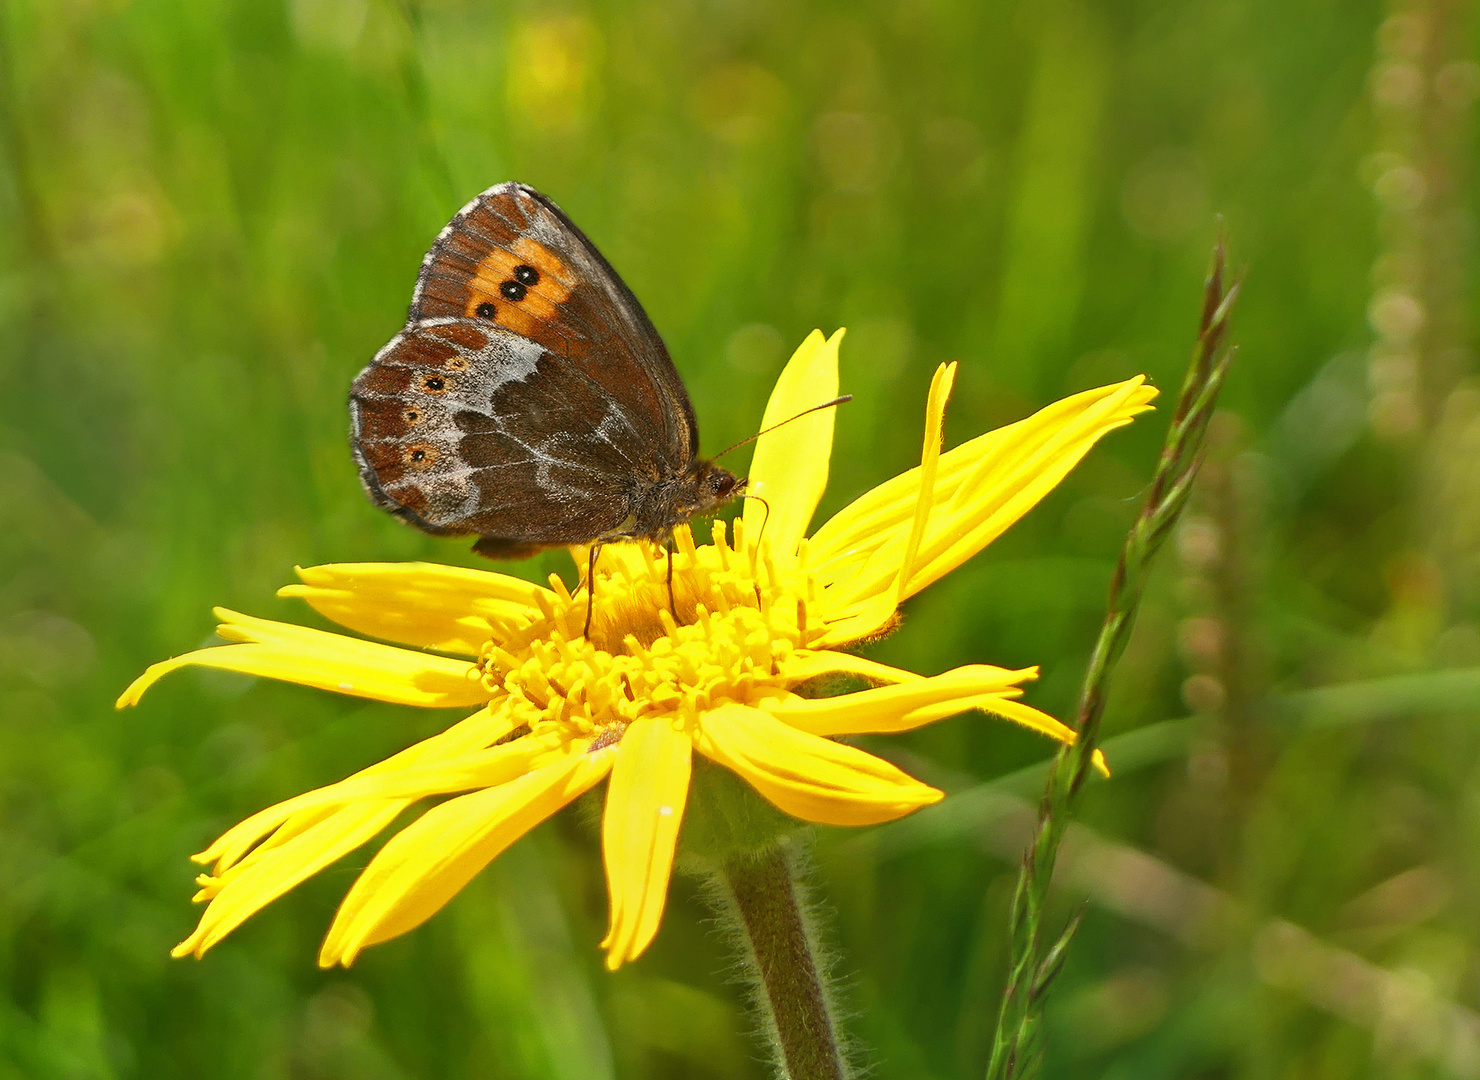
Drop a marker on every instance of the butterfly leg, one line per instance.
(591, 584)
(672, 604)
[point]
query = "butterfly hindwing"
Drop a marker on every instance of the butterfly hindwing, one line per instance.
(465, 428)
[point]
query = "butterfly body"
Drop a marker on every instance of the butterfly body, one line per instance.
(529, 401)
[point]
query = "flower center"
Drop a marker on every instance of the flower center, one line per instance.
(738, 618)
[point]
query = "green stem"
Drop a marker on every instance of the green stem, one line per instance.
(762, 899)
(1017, 1046)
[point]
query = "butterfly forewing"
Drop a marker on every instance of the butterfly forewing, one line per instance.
(529, 400)
(512, 258)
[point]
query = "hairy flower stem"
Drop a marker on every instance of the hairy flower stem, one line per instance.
(1017, 1047)
(761, 898)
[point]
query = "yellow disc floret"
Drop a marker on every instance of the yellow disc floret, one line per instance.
(739, 620)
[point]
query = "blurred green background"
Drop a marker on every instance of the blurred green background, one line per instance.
(211, 215)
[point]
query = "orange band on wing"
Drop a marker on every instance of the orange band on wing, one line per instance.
(554, 271)
(539, 303)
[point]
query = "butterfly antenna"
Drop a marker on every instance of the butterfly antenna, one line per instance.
(789, 419)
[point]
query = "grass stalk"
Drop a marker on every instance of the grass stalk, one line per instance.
(1017, 1046)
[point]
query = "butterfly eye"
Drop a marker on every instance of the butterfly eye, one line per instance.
(512, 290)
(434, 383)
(526, 275)
(486, 310)
(421, 456)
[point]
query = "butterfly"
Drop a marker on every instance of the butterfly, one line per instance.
(529, 401)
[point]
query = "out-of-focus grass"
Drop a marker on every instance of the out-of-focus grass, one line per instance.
(211, 214)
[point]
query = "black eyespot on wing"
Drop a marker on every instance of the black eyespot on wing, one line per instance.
(526, 275)
(486, 310)
(512, 290)
(434, 384)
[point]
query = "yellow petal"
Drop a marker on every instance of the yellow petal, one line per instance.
(1004, 488)
(924, 701)
(315, 829)
(908, 704)
(1028, 716)
(480, 769)
(804, 664)
(257, 885)
(644, 806)
(307, 813)
(422, 604)
(848, 621)
(981, 488)
(427, 863)
(893, 501)
(809, 777)
(935, 416)
(789, 469)
(483, 728)
(328, 661)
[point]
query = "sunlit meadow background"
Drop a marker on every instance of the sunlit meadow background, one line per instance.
(211, 214)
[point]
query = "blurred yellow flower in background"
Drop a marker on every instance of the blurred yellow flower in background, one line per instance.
(760, 611)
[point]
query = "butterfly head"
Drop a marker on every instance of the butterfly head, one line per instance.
(715, 486)
(700, 489)
(707, 488)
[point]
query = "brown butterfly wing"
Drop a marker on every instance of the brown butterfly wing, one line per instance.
(461, 427)
(529, 398)
(512, 258)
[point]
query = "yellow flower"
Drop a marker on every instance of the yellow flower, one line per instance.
(760, 612)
